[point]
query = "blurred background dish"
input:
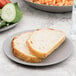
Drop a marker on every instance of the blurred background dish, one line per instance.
(49, 8)
(54, 2)
(10, 14)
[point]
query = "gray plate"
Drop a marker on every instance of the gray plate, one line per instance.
(49, 8)
(7, 27)
(62, 53)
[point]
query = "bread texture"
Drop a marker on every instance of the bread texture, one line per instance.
(43, 42)
(20, 49)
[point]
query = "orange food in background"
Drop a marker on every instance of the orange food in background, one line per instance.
(54, 2)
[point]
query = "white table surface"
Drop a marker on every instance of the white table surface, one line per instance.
(38, 19)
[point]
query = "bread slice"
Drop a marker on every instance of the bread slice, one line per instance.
(44, 41)
(21, 50)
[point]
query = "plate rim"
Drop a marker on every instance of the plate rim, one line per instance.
(8, 27)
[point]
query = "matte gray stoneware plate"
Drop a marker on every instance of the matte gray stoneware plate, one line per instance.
(50, 8)
(59, 55)
(8, 27)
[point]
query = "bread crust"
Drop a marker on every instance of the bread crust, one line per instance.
(41, 54)
(22, 55)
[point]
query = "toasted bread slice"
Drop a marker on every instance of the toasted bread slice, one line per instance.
(21, 50)
(44, 41)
